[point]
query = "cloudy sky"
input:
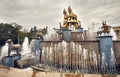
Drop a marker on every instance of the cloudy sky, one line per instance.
(50, 12)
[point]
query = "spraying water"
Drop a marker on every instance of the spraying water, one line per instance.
(112, 32)
(74, 57)
(96, 27)
(4, 50)
(25, 47)
(51, 35)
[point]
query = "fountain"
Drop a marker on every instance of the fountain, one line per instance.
(10, 58)
(4, 50)
(25, 47)
(8, 53)
(79, 54)
(50, 34)
(112, 32)
(71, 49)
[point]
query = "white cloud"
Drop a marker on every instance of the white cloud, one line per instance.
(49, 13)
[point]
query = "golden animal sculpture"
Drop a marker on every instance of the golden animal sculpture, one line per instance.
(13, 47)
(106, 29)
(70, 19)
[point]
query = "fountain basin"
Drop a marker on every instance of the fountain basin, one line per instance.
(13, 72)
(27, 62)
(11, 60)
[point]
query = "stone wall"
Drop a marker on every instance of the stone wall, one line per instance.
(116, 49)
(76, 36)
(74, 52)
(89, 46)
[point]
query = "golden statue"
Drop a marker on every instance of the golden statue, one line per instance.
(71, 14)
(106, 29)
(65, 14)
(70, 19)
(65, 19)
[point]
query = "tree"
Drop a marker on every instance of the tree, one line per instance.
(7, 31)
(17, 28)
(35, 29)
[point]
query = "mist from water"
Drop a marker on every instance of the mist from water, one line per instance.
(112, 32)
(94, 27)
(4, 50)
(25, 48)
(51, 35)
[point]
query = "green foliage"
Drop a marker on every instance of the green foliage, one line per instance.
(23, 34)
(7, 31)
(12, 31)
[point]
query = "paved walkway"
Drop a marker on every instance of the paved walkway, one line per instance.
(13, 72)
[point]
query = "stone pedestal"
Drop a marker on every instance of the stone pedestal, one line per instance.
(80, 30)
(67, 35)
(37, 49)
(10, 60)
(106, 63)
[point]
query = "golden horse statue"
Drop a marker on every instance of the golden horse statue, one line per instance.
(106, 29)
(13, 47)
